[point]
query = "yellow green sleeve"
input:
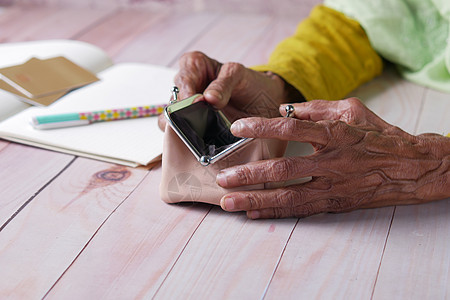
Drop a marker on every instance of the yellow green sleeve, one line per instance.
(328, 56)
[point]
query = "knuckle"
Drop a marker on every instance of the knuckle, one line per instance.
(193, 55)
(329, 125)
(318, 104)
(306, 210)
(281, 213)
(288, 197)
(339, 131)
(244, 175)
(337, 204)
(260, 127)
(233, 68)
(182, 77)
(353, 102)
(254, 201)
(285, 127)
(281, 169)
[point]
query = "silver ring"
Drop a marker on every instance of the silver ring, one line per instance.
(289, 110)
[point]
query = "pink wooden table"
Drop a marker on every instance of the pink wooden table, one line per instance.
(67, 231)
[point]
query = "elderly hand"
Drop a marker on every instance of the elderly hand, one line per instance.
(360, 161)
(248, 93)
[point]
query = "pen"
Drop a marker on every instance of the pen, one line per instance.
(85, 118)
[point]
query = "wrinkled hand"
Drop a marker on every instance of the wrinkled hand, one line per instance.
(360, 161)
(246, 91)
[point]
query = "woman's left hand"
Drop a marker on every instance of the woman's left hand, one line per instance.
(360, 161)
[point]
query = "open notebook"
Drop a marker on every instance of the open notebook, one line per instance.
(131, 142)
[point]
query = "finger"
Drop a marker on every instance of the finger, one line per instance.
(273, 170)
(313, 207)
(316, 110)
(286, 129)
(219, 91)
(188, 84)
(162, 122)
(351, 111)
(286, 197)
(306, 210)
(196, 71)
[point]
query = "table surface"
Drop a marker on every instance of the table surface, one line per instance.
(70, 230)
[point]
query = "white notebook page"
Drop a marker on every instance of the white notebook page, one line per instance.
(131, 142)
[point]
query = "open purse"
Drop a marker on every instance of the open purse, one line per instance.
(185, 179)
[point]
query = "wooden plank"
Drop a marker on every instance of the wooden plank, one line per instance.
(162, 43)
(134, 251)
(279, 9)
(23, 171)
(37, 23)
(417, 248)
(328, 259)
(120, 29)
(232, 36)
(416, 263)
(123, 270)
(395, 100)
(274, 7)
(332, 256)
(8, 15)
(19, 24)
(229, 257)
(435, 113)
(279, 29)
(3, 144)
(58, 256)
(40, 243)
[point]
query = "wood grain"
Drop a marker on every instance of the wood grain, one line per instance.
(41, 242)
(434, 116)
(163, 43)
(332, 256)
(133, 252)
(120, 29)
(416, 263)
(97, 230)
(279, 29)
(231, 36)
(417, 248)
(23, 172)
(37, 23)
(397, 101)
(274, 7)
(229, 257)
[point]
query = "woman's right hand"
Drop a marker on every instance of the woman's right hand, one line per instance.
(238, 90)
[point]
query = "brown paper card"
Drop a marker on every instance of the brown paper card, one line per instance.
(37, 78)
(45, 100)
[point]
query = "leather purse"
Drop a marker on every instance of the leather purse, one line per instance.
(184, 179)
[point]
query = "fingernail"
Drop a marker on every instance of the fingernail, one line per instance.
(227, 203)
(254, 214)
(237, 126)
(222, 177)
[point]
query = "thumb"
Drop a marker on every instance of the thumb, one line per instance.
(219, 91)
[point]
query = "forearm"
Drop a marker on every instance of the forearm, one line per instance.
(327, 57)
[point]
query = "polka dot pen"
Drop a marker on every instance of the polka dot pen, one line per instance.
(85, 118)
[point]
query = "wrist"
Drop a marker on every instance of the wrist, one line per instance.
(289, 94)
